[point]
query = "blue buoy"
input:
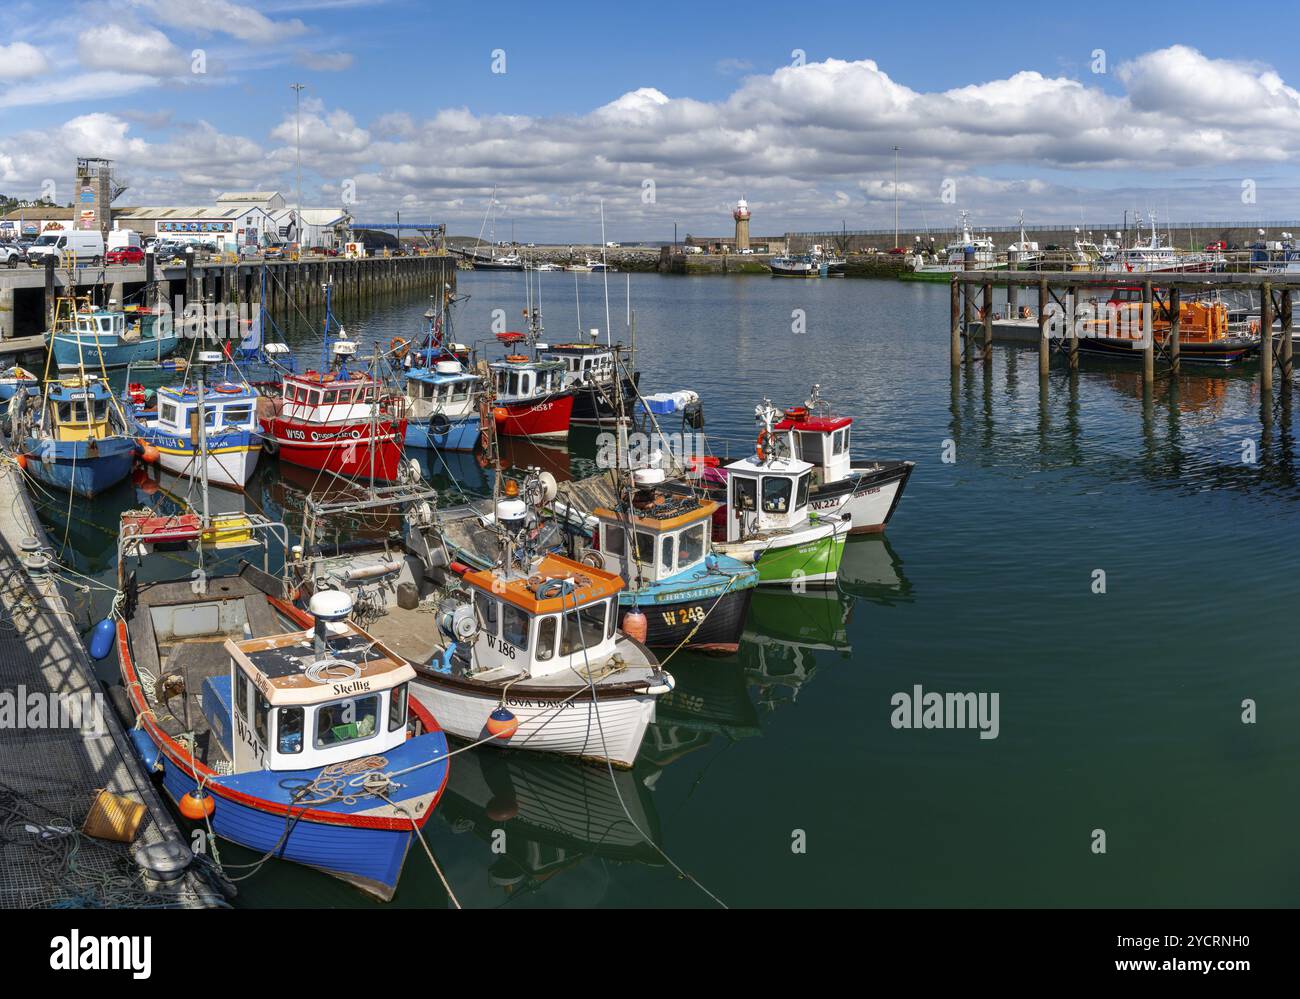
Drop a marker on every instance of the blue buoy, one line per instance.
(101, 639)
(145, 748)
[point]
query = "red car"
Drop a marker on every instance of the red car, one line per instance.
(124, 255)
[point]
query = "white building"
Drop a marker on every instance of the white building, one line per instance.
(256, 218)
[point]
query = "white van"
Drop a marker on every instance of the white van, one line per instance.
(86, 245)
(118, 238)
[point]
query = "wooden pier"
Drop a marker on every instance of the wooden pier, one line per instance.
(28, 294)
(50, 775)
(972, 311)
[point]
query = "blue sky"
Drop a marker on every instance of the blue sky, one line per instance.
(704, 103)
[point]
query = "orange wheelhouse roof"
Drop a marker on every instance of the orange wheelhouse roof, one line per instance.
(590, 584)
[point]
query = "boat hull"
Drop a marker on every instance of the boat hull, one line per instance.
(348, 449)
(77, 467)
(810, 557)
(546, 417)
(1229, 350)
(458, 434)
(546, 725)
(868, 496)
(710, 622)
(593, 404)
(71, 352)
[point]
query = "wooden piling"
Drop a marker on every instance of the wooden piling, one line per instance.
(987, 353)
(1285, 347)
(1044, 342)
(954, 323)
(1071, 327)
(1175, 326)
(1148, 336)
(1266, 336)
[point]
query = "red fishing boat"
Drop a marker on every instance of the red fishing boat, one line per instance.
(531, 397)
(339, 423)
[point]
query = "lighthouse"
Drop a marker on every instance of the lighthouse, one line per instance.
(741, 215)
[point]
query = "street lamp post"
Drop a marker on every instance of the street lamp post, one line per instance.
(298, 88)
(895, 197)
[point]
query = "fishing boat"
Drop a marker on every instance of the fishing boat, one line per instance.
(506, 262)
(1156, 255)
(591, 372)
(76, 438)
(292, 734)
(337, 421)
(97, 339)
(197, 430)
(661, 543)
(869, 491)
(800, 265)
(966, 243)
(767, 519)
(524, 654)
(16, 378)
(531, 398)
(442, 407)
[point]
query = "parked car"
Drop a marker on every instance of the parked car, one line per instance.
(1216, 247)
(11, 255)
(124, 255)
(275, 252)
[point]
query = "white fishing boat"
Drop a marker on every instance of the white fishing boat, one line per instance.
(979, 246)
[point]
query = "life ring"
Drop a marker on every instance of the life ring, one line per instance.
(797, 413)
(439, 425)
(228, 388)
(516, 358)
(761, 445)
(398, 347)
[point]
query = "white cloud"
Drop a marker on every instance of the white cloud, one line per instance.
(130, 49)
(326, 62)
(21, 60)
(213, 16)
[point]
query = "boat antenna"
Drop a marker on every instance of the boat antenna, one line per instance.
(604, 273)
(577, 302)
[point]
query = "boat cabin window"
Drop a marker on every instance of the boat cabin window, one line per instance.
(489, 611)
(645, 547)
(667, 553)
(612, 540)
(167, 412)
(776, 494)
(288, 730)
(236, 416)
(811, 447)
(241, 694)
(261, 709)
(690, 546)
(346, 721)
(514, 626)
(801, 498)
(744, 492)
(841, 441)
(546, 629)
(397, 708)
(584, 628)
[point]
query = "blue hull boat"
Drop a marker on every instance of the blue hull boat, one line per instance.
(94, 352)
(444, 434)
(86, 468)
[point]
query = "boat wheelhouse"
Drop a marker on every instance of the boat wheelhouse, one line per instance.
(341, 423)
(442, 406)
(96, 339)
(662, 545)
(224, 450)
(76, 440)
(868, 491)
(591, 371)
(542, 640)
(768, 522)
(1206, 335)
(531, 397)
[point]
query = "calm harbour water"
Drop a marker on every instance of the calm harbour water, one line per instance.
(1119, 711)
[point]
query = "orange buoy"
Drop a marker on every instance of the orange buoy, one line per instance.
(635, 625)
(21, 461)
(197, 806)
(150, 455)
(502, 723)
(499, 414)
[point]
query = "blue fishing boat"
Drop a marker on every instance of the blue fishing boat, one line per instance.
(90, 338)
(443, 407)
(17, 377)
(76, 439)
(303, 745)
(228, 442)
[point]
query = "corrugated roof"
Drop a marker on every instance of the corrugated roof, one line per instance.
(247, 196)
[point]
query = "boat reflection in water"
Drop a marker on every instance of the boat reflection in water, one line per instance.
(872, 570)
(711, 698)
(549, 816)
